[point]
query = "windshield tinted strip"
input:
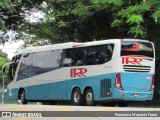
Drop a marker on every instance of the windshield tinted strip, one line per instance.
(137, 48)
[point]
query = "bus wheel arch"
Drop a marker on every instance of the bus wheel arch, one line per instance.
(22, 96)
(89, 96)
(76, 96)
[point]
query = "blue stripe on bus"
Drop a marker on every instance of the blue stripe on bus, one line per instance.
(150, 59)
(62, 90)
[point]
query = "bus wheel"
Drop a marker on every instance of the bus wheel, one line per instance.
(23, 98)
(77, 97)
(89, 97)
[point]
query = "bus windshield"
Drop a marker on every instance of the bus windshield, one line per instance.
(136, 48)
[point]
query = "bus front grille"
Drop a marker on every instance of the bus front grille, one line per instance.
(105, 86)
(136, 68)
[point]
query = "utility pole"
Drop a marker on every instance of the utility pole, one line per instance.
(3, 90)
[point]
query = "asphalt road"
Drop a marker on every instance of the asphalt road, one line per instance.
(65, 112)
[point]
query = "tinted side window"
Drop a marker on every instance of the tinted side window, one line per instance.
(90, 55)
(39, 62)
(25, 67)
(75, 57)
(100, 54)
(46, 61)
(78, 57)
(67, 58)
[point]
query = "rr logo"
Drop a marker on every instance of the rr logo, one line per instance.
(127, 60)
(78, 72)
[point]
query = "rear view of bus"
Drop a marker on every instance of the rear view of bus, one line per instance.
(135, 81)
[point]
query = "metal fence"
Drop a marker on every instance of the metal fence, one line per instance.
(1, 83)
(5, 99)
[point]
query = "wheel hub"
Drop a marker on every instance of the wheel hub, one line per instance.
(76, 97)
(89, 97)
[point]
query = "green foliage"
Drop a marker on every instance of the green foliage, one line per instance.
(137, 31)
(85, 20)
(123, 13)
(116, 23)
(135, 19)
(2, 24)
(62, 24)
(3, 60)
(135, 9)
(13, 12)
(115, 2)
(112, 2)
(80, 9)
(3, 55)
(138, 14)
(8, 5)
(5, 5)
(156, 14)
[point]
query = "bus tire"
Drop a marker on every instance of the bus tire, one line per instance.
(23, 100)
(89, 97)
(77, 97)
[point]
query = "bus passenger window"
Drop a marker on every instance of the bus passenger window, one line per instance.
(100, 54)
(46, 61)
(106, 53)
(25, 67)
(91, 56)
(67, 60)
(85, 56)
(77, 57)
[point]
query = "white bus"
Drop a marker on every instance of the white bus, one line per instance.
(118, 70)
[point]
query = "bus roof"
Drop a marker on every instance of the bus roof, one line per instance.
(70, 45)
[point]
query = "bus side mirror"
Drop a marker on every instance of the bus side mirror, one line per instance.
(4, 67)
(3, 71)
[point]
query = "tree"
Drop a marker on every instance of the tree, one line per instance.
(13, 14)
(3, 61)
(70, 21)
(85, 20)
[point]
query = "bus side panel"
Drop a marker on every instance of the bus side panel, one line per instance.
(12, 94)
(71, 84)
(94, 82)
(63, 90)
(32, 92)
(81, 83)
(49, 91)
(102, 85)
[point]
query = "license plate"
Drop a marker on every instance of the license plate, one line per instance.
(136, 95)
